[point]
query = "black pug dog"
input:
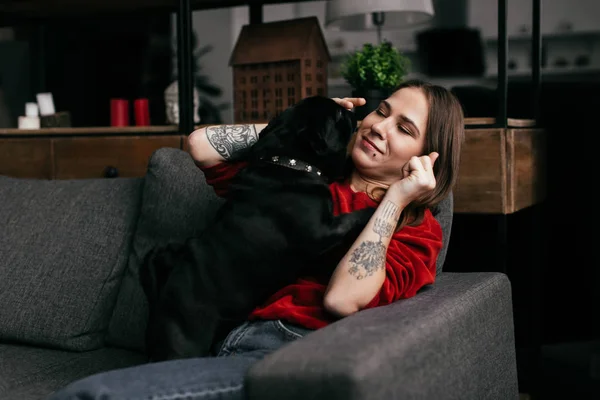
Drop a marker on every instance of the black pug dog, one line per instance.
(277, 222)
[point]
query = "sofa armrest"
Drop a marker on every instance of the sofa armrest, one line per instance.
(454, 340)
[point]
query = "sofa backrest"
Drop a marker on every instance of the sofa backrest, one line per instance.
(443, 213)
(64, 246)
(176, 204)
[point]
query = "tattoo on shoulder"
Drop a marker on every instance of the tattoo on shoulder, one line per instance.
(229, 139)
(370, 255)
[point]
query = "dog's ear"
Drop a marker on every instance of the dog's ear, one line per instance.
(335, 132)
(324, 138)
(350, 118)
(269, 142)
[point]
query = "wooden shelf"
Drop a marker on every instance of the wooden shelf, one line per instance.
(77, 8)
(549, 71)
(554, 37)
(132, 130)
(480, 121)
(95, 130)
(511, 122)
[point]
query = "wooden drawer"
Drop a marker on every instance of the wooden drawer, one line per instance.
(25, 158)
(93, 157)
(481, 186)
(502, 171)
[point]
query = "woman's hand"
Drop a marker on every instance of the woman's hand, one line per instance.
(418, 179)
(350, 102)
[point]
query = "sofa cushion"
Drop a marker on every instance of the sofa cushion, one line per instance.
(32, 373)
(63, 249)
(176, 203)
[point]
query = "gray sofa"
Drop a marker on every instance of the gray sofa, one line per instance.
(71, 306)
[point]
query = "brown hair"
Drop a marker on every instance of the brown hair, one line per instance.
(445, 135)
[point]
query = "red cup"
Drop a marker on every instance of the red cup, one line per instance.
(141, 111)
(119, 112)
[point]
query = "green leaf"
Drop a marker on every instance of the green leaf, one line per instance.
(375, 67)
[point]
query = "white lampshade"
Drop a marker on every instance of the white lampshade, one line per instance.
(355, 15)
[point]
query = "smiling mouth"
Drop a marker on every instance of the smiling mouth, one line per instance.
(372, 144)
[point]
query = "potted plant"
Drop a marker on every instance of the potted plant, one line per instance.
(374, 72)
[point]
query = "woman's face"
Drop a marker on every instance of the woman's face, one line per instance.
(389, 136)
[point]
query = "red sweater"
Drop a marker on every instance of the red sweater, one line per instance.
(410, 261)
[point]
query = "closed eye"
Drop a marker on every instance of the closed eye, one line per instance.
(405, 130)
(403, 120)
(400, 127)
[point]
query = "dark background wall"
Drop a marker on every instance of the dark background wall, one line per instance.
(85, 62)
(565, 223)
(552, 258)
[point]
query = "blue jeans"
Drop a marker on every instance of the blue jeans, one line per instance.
(220, 377)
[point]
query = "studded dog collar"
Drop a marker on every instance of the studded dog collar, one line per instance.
(292, 163)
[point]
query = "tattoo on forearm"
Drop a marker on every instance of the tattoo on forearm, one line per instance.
(229, 139)
(366, 259)
(385, 224)
(369, 256)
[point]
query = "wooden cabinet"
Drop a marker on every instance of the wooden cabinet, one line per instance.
(81, 156)
(501, 171)
(25, 158)
(107, 157)
(482, 173)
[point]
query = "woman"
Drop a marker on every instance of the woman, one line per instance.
(405, 159)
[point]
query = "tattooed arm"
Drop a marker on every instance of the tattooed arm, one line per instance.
(360, 274)
(213, 144)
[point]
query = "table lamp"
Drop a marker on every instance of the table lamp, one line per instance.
(361, 15)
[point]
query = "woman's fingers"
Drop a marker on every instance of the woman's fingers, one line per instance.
(422, 163)
(433, 156)
(429, 160)
(344, 103)
(422, 169)
(350, 102)
(426, 162)
(406, 170)
(356, 101)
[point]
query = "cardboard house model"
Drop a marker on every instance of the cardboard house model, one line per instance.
(275, 65)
